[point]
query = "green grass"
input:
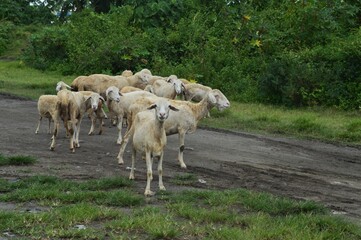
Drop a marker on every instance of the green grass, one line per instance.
(88, 210)
(326, 124)
(16, 160)
(17, 79)
(184, 179)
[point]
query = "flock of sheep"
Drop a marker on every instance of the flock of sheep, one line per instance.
(147, 103)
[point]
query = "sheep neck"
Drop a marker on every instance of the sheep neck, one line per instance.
(159, 129)
(202, 108)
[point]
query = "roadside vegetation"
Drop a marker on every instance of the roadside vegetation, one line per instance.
(16, 160)
(110, 208)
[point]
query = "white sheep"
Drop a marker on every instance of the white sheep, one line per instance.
(61, 86)
(100, 82)
(196, 92)
(118, 105)
(149, 138)
(127, 73)
(71, 108)
(181, 122)
(169, 88)
(47, 106)
(128, 89)
(95, 114)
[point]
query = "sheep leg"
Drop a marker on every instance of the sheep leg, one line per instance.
(181, 136)
(131, 175)
(160, 172)
(77, 134)
(113, 120)
(104, 114)
(73, 132)
(49, 131)
(66, 126)
(93, 121)
(37, 129)
(55, 133)
(119, 126)
(124, 144)
(56, 127)
(101, 125)
(124, 120)
(148, 160)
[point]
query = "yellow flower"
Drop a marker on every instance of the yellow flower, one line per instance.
(256, 43)
(246, 17)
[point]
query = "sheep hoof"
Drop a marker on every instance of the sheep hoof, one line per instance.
(90, 133)
(162, 188)
(148, 193)
(100, 132)
(131, 177)
(52, 148)
(183, 166)
(120, 161)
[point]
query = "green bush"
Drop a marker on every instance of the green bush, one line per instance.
(6, 35)
(292, 53)
(47, 48)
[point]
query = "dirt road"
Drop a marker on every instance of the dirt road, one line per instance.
(326, 173)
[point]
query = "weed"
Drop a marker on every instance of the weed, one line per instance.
(16, 160)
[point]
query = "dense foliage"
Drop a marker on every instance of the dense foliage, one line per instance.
(294, 53)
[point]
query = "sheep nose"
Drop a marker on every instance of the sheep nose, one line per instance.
(162, 115)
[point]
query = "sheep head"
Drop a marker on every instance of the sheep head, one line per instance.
(177, 84)
(61, 86)
(113, 94)
(221, 100)
(94, 99)
(162, 108)
(144, 75)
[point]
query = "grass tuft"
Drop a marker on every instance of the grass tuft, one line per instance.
(184, 179)
(16, 160)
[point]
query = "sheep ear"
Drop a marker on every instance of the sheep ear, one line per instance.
(108, 91)
(120, 94)
(87, 98)
(212, 97)
(152, 106)
(173, 108)
(101, 98)
(169, 80)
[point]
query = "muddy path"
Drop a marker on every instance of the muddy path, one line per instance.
(326, 173)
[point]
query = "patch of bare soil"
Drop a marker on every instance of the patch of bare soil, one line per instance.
(326, 173)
